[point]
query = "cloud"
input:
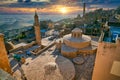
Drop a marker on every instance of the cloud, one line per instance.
(7, 1)
(47, 10)
(51, 6)
(39, 3)
(25, 5)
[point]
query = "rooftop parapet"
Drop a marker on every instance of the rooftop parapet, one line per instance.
(118, 41)
(1, 35)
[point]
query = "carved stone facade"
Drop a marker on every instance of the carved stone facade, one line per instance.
(4, 62)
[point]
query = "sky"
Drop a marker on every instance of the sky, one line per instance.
(54, 6)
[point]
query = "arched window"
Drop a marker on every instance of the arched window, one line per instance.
(72, 34)
(75, 35)
(78, 35)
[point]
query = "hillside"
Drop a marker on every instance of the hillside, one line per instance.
(15, 25)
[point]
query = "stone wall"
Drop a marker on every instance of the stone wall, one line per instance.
(29, 45)
(23, 47)
(92, 51)
(37, 35)
(77, 44)
(4, 62)
(118, 42)
(107, 53)
(69, 54)
(43, 49)
(74, 54)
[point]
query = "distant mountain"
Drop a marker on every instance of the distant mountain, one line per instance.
(15, 25)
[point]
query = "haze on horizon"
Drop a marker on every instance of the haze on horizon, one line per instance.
(54, 6)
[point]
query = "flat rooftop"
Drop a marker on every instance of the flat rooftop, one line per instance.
(107, 62)
(114, 32)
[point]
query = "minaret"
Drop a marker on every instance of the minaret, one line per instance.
(20, 0)
(37, 29)
(84, 7)
(4, 62)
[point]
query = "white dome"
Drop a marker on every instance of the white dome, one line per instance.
(77, 30)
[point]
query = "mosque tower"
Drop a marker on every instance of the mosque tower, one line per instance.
(84, 8)
(4, 62)
(20, 0)
(37, 29)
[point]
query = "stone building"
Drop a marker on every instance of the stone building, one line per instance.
(107, 63)
(77, 43)
(9, 46)
(4, 62)
(37, 29)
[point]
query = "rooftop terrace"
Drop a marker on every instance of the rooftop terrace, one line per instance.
(112, 35)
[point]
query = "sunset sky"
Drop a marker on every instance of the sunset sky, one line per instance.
(54, 6)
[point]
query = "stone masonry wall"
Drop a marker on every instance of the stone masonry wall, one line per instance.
(4, 62)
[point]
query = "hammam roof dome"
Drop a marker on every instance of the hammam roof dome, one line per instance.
(77, 30)
(50, 68)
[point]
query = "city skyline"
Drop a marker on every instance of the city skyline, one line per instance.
(55, 6)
